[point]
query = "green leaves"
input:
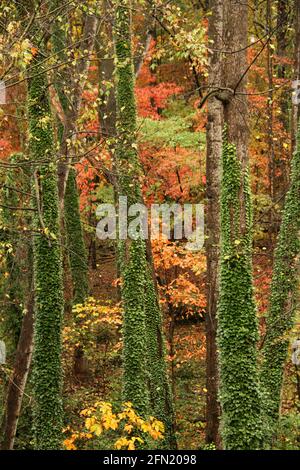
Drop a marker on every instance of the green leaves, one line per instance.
(237, 323)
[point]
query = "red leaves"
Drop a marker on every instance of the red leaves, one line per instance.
(5, 148)
(152, 96)
(152, 99)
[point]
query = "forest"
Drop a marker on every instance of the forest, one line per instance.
(149, 225)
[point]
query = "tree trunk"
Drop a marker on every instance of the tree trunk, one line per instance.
(17, 382)
(281, 160)
(270, 123)
(68, 192)
(75, 241)
(24, 335)
(283, 301)
(237, 322)
(48, 280)
(296, 75)
(144, 353)
(213, 162)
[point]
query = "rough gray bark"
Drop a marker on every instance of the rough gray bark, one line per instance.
(213, 160)
(281, 164)
(71, 114)
(227, 103)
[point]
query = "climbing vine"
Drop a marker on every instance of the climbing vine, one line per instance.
(237, 324)
(47, 377)
(142, 329)
(283, 301)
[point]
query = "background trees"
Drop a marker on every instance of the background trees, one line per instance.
(120, 98)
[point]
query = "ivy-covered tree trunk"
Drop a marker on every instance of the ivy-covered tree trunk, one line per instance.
(283, 301)
(68, 191)
(144, 353)
(161, 399)
(237, 323)
(48, 281)
(18, 380)
(11, 220)
(75, 241)
(21, 298)
(131, 253)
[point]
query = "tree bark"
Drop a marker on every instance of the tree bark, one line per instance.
(237, 322)
(213, 162)
(17, 382)
(296, 74)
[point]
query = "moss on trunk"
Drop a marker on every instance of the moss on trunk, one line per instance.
(145, 373)
(49, 300)
(237, 323)
(283, 301)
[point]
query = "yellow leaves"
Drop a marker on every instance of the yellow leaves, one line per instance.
(22, 52)
(128, 428)
(128, 425)
(122, 442)
(93, 426)
(12, 26)
(127, 443)
(110, 422)
(90, 321)
(96, 429)
(44, 122)
(86, 412)
(131, 445)
(69, 443)
(89, 422)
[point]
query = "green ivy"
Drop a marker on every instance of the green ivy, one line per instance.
(175, 131)
(237, 322)
(11, 221)
(283, 301)
(145, 375)
(160, 391)
(49, 300)
(131, 253)
(75, 241)
(74, 233)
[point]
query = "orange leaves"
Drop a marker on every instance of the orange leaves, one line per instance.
(182, 272)
(169, 254)
(182, 291)
(170, 172)
(34, 51)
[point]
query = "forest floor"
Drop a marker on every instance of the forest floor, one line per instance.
(102, 377)
(187, 370)
(105, 381)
